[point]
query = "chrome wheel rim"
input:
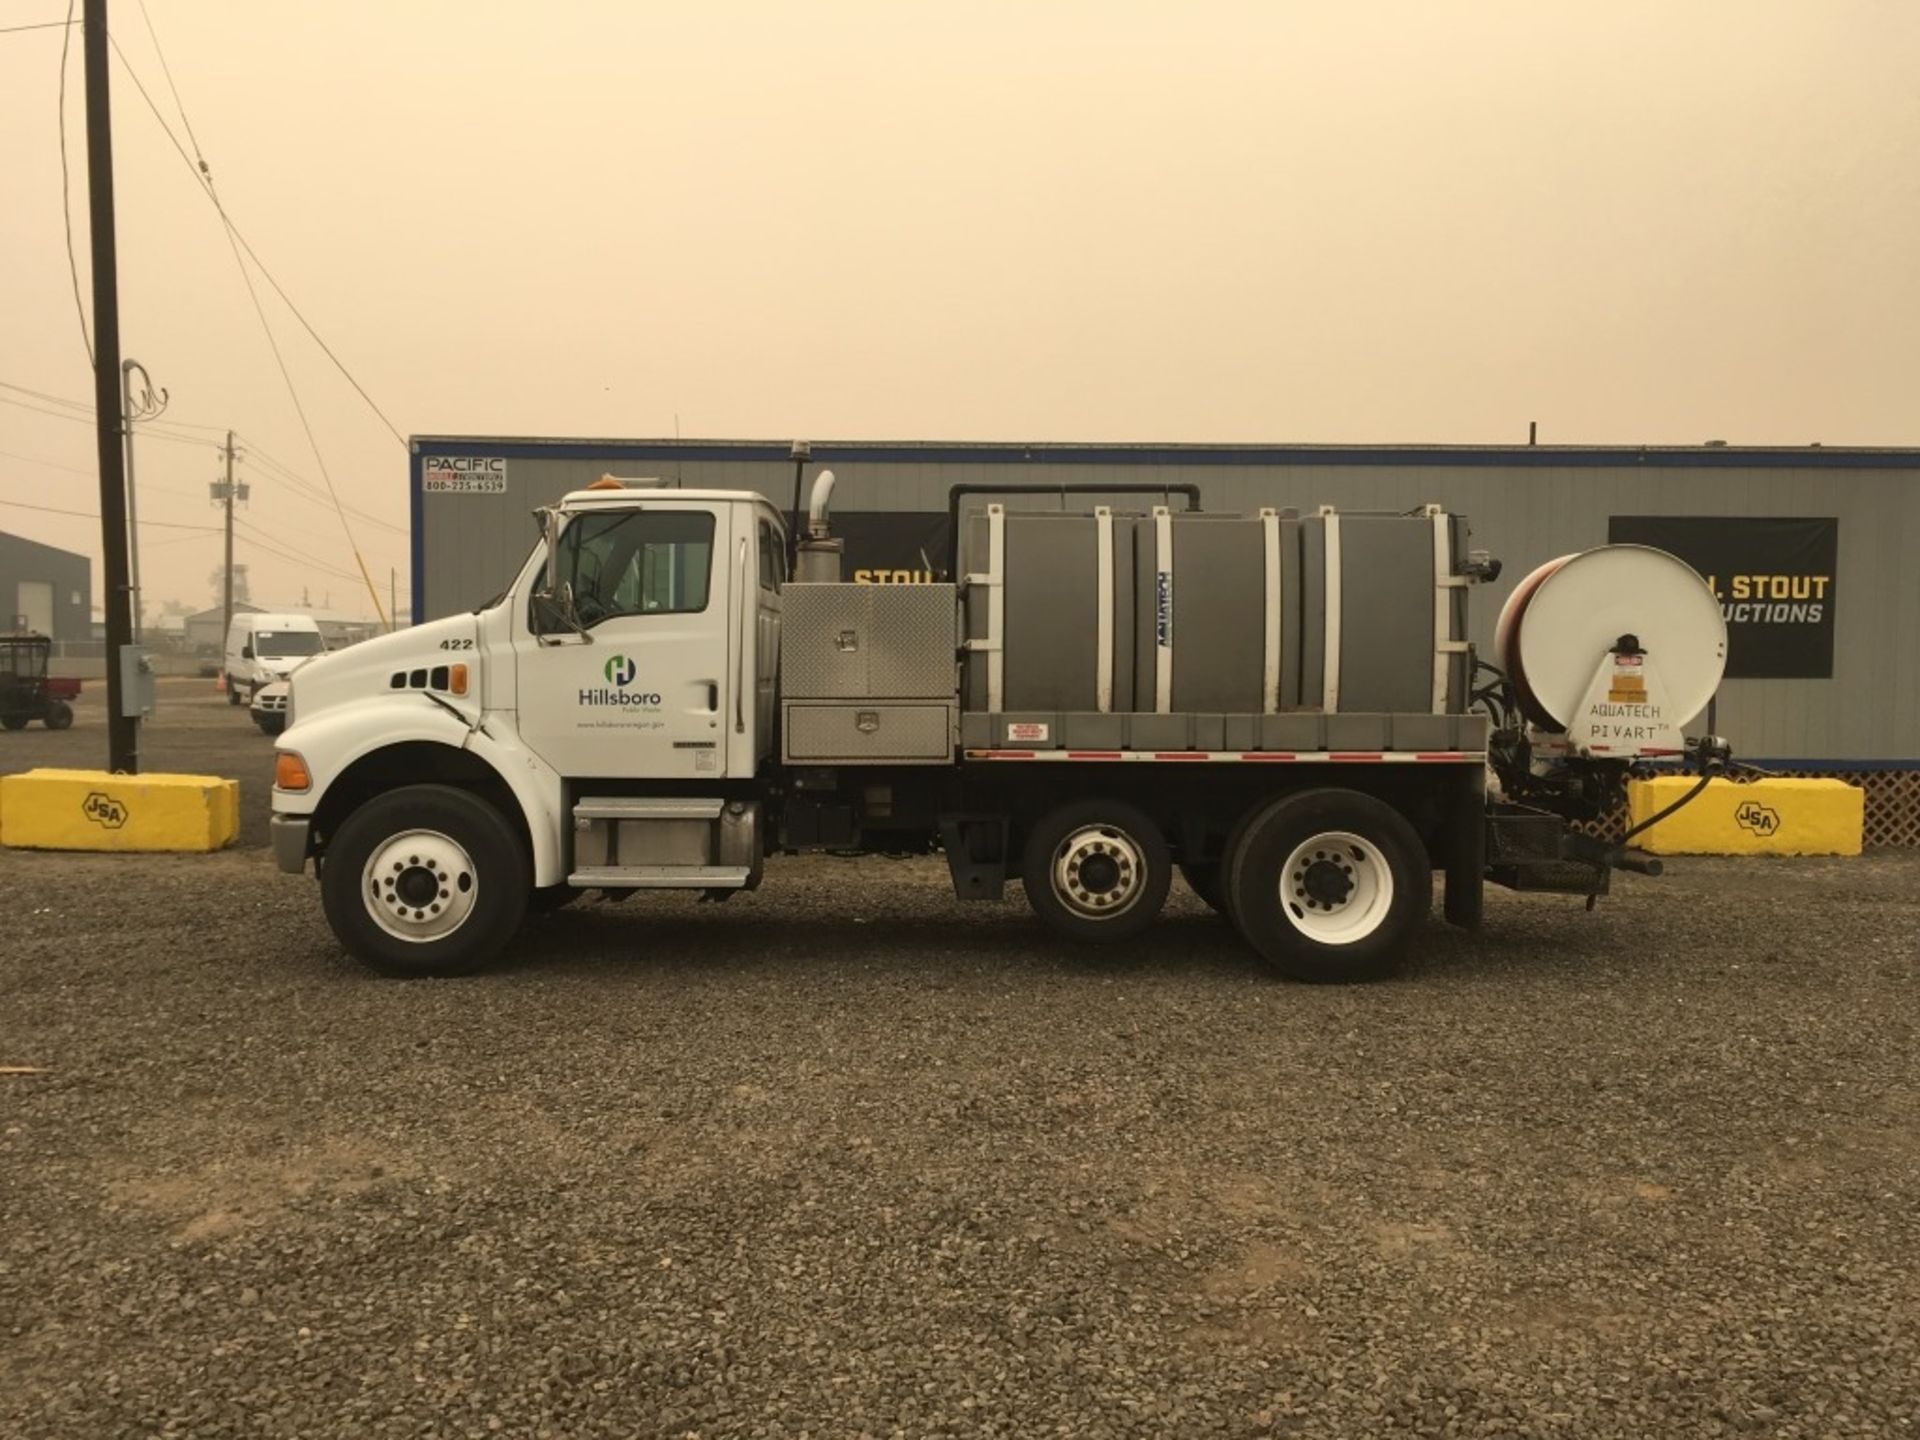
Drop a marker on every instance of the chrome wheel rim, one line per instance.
(1336, 888)
(419, 886)
(1098, 872)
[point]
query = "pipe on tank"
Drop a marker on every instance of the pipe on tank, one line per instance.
(817, 503)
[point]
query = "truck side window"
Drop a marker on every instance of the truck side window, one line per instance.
(638, 562)
(770, 558)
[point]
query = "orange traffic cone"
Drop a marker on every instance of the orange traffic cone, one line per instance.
(220, 683)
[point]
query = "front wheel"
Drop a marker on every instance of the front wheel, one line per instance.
(1097, 870)
(14, 722)
(425, 880)
(1330, 885)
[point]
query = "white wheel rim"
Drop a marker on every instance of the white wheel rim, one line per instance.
(1336, 888)
(419, 886)
(1098, 872)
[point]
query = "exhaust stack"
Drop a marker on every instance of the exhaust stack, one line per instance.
(818, 556)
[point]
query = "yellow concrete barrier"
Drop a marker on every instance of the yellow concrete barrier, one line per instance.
(1756, 817)
(93, 810)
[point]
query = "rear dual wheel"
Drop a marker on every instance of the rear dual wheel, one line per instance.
(1328, 885)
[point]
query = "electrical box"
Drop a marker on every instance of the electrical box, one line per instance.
(136, 683)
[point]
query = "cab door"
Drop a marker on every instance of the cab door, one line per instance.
(642, 689)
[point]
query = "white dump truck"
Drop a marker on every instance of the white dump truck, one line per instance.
(1282, 707)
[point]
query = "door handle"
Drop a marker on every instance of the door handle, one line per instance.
(713, 695)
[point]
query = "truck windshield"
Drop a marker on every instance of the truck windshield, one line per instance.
(287, 642)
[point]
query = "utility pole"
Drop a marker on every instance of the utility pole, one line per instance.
(123, 730)
(226, 492)
(393, 595)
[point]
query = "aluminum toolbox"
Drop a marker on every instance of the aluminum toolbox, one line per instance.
(875, 733)
(867, 642)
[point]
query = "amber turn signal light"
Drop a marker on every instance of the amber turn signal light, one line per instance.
(290, 772)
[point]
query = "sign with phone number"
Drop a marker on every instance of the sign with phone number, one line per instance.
(463, 475)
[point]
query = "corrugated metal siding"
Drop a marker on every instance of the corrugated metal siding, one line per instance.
(69, 574)
(1524, 509)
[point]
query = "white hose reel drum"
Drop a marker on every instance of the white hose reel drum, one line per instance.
(1558, 637)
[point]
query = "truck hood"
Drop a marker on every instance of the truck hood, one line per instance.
(366, 670)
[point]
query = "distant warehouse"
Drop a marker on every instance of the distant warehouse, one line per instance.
(1811, 550)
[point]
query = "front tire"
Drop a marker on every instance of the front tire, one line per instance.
(1330, 885)
(233, 692)
(427, 880)
(1097, 870)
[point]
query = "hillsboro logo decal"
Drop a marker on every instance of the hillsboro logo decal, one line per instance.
(1760, 819)
(620, 672)
(104, 810)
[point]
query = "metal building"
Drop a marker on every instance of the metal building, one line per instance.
(1811, 549)
(46, 590)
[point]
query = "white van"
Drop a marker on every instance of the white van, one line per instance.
(262, 647)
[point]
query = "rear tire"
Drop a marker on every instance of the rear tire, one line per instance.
(427, 880)
(1097, 870)
(1330, 885)
(59, 715)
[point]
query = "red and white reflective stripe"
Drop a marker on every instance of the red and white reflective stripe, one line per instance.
(1236, 757)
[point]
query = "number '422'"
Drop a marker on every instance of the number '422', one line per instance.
(456, 644)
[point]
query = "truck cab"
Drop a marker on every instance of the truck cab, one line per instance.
(621, 686)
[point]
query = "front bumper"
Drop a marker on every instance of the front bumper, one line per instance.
(290, 836)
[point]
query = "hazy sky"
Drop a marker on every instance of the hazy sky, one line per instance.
(1104, 221)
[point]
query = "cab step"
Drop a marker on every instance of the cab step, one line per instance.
(661, 877)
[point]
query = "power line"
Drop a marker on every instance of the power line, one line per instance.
(43, 25)
(233, 241)
(167, 70)
(203, 175)
(66, 195)
(308, 495)
(87, 419)
(298, 485)
(94, 515)
(252, 537)
(50, 464)
(305, 489)
(84, 408)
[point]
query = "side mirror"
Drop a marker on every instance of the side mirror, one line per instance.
(553, 610)
(246, 652)
(550, 533)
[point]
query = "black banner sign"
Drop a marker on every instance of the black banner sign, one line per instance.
(892, 547)
(1774, 577)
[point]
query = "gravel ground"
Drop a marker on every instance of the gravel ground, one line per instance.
(845, 1157)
